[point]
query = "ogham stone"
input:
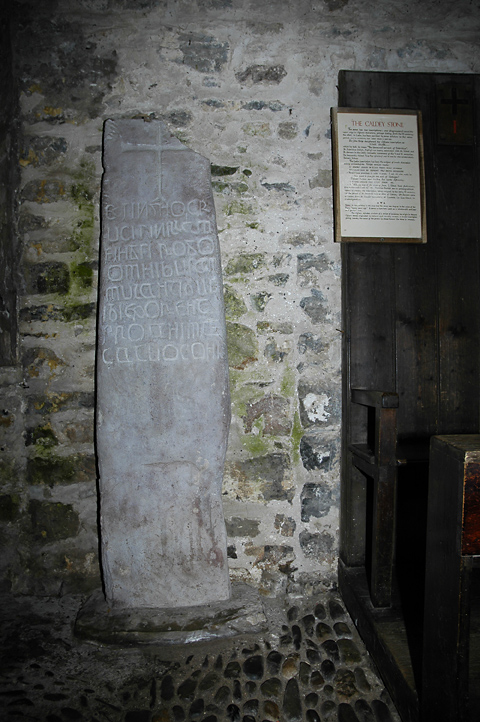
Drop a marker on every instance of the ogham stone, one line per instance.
(163, 406)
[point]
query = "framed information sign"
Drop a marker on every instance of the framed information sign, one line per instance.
(378, 173)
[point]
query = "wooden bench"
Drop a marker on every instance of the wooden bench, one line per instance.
(445, 686)
(377, 459)
(453, 552)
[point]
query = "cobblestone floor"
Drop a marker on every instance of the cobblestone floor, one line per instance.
(309, 665)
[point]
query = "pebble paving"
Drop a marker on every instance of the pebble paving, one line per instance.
(309, 665)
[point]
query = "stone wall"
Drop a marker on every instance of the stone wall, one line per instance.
(249, 85)
(8, 181)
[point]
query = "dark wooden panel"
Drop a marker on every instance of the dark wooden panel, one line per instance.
(367, 90)
(416, 337)
(379, 399)
(457, 195)
(415, 286)
(412, 326)
(362, 90)
(434, 364)
(371, 337)
(353, 515)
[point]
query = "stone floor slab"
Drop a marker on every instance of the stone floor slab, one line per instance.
(243, 613)
(47, 674)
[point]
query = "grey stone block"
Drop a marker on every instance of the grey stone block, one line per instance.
(163, 406)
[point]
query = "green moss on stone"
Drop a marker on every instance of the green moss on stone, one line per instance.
(235, 379)
(219, 186)
(237, 207)
(82, 236)
(9, 506)
(242, 345)
(287, 385)
(234, 304)
(256, 445)
(243, 393)
(81, 270)
(264, 327)
(78, 311)
(54, 312)
(296, 437)
(50, 277)
(84, 175)
(245, 263)
(8, 472)
(53, 521)
(51, 469)
(229, 188)
(260, 300)
(183, 137)
(51, 403)
(42, 436)
(82, 192)
(82, 275)
(223, 169)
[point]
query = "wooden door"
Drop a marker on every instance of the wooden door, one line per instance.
(411, 312)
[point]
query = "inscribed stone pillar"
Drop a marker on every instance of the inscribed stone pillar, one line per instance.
(163, 407)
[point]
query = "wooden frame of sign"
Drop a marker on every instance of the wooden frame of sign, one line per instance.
(378, 175)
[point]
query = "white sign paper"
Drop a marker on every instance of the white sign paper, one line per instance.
(379, 180)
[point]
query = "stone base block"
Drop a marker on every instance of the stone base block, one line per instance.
(242, 614)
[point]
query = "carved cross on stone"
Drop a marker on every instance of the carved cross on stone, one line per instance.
(157, 147)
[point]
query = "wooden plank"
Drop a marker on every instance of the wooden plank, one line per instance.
(353, 500)
(371, 332)
(362, 90)
(385, 636)
(358, 273)
(386, 437)
(457, 234)
(379, 399)
(382, 469)
(363, 456)
(415, 287)
(383, 542)
(353, 516)
(445, 655)
(365, 269)
(368, 361)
